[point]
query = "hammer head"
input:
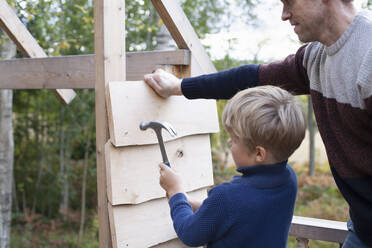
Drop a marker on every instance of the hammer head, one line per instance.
(157, 126)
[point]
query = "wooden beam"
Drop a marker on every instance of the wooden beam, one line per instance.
(183, 33)
(26, 43)
(109, 46)
(318, 229)
(77, 72)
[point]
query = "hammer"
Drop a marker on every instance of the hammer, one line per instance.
(157, 126)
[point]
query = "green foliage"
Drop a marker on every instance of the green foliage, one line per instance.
(47, 134)
(44, 233)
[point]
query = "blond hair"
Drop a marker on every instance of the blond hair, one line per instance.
(266, 116)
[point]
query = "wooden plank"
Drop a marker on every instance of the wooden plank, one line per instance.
(133, 172)
(130, 103)
(48, 73)
(77, 72)
(109, 46)
(183, 33)
(144, 225)
(175, 243)
(318, 229)
(139, 64)
(26, 43)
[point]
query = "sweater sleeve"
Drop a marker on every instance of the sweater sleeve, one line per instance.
(365, 82)
(210, 222)
(289, 74)
(220, 85)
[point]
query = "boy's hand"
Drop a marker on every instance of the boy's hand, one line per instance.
(170, 181)
(165, 84)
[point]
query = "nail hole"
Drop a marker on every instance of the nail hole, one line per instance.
(179, 153)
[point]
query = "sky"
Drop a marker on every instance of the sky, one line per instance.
(271, 39)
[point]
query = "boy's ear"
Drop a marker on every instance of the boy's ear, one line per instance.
(261, 154)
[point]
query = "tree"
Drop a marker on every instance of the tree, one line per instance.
(7, 50)
(311, 126)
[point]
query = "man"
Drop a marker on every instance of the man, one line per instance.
(335, 68)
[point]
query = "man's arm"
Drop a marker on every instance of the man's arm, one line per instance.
(289, 74)
(221, 85)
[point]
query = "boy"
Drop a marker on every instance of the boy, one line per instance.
(266, 126)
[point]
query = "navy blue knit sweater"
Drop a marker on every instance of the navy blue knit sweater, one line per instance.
(252, 210)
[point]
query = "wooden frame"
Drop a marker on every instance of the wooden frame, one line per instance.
(109, 40)
(27, 44)
(77, 72)
(318, 229)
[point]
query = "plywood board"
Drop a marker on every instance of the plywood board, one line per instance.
(144, 225)
(130, 103)
(133, 172)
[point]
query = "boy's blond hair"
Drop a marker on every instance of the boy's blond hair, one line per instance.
(266, 116)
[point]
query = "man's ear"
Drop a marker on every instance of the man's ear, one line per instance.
(261, 154)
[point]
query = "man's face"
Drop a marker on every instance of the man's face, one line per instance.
(307, 16)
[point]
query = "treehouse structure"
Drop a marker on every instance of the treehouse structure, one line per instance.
(133, 210)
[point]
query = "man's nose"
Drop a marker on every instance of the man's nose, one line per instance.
(286, 15)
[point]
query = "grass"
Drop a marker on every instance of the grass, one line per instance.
(40, 232)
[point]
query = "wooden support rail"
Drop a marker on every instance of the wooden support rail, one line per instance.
(304, 228)
(78, 72)
(27, 44)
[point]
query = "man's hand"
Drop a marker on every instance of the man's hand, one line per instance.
(165, 84)
(170, 181)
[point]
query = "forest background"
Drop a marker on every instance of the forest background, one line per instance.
(54, 188)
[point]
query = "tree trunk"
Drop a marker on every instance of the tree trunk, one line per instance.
(8, 50)
(14, 195)
(311, 126)
(62, 169)
(84, 183)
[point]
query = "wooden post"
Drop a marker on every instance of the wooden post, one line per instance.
(109, 26)
(302, 243)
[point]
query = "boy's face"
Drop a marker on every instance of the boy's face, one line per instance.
(242, 157)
